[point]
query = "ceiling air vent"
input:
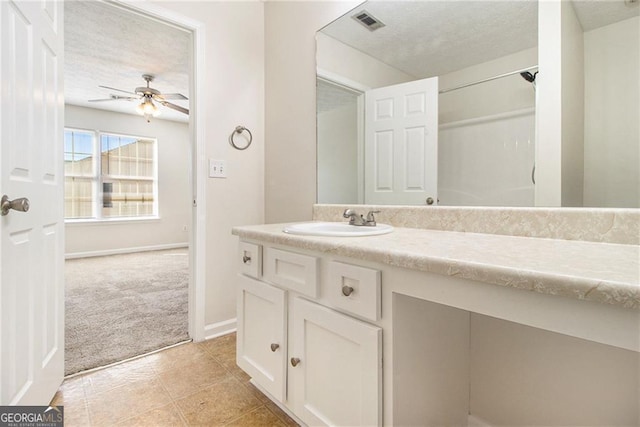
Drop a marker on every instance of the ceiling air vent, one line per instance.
(368, 20)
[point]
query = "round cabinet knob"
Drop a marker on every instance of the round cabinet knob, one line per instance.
(246, 259)
(294, 361)
(347, 290)
(429, 200)
(274, 347)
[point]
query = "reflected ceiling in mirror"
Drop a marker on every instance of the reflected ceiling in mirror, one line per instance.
(432, 38)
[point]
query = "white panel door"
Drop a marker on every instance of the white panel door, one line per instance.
(262, 334)
(31, 166)
(337, 377)
(401, 143)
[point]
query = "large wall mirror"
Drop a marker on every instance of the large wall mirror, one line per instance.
(437, 102)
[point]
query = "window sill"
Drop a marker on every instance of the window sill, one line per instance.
(112, 221)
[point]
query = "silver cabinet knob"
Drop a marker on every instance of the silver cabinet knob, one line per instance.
(21, 205)
(246, 259)
(294, 361)
(347, 290)
(429, 200)
(274, 347)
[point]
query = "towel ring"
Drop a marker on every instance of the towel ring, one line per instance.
(238, 130)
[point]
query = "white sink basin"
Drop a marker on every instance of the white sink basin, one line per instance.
(336, 229)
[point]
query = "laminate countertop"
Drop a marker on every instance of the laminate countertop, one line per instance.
(601, 272)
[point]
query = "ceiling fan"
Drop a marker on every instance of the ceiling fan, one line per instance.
(146, 95)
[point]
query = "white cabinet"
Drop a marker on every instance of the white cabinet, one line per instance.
(337, 377)
(322, 365)
(261, 349)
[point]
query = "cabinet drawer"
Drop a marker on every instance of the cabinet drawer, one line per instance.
(354, 289)
(292, 271)
(250, 256)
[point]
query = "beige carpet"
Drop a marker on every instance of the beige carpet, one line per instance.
(121, 306)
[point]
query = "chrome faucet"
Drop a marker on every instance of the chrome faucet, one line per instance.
(359, 220)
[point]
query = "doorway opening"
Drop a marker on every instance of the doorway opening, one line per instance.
(130, 183)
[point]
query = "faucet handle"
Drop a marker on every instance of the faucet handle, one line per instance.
(371, 218)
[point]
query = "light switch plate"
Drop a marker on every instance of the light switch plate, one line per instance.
(217, 168)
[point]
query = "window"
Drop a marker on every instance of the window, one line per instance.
(120, 182)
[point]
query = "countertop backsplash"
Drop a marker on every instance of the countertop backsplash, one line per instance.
(620, 226)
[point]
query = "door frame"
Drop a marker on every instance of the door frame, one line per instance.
(359, 89)
(197, 237)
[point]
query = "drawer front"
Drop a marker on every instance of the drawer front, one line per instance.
(292, 271)
(250, 256)
(354, 289)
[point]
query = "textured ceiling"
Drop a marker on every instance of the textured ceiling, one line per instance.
(431, 38)
(109, 46)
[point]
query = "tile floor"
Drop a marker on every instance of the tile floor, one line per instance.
(194, 384)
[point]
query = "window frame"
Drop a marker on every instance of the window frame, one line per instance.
(98, 179)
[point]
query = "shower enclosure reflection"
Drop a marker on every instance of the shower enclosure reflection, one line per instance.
(487, 157)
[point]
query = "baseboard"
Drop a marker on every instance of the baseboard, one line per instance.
(215, 330)
(118, 251)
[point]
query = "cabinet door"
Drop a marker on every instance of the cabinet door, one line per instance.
(337, 377)
(262, 337)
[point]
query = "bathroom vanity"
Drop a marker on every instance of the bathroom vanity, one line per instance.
(428, 327)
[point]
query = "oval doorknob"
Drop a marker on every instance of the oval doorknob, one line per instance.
(294, 361)
(347, 290)
(274, 347)
(20, 205)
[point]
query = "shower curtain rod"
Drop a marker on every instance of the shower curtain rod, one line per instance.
(534, 67)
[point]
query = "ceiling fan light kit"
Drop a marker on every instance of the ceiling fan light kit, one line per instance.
(147, 95)
(148, 109)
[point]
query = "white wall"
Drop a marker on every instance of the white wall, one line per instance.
(290, 107)
(233, 95)
(494, 97)
(572, 107)
(343, 60)
(612, 108)
(173, 186)
(549, 106)
(560, 107)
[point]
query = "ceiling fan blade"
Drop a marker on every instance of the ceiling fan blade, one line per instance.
(173, 96)
(175, 107)
(116, 98)
(119, 90)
